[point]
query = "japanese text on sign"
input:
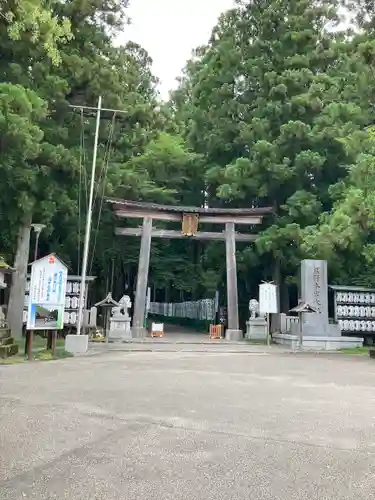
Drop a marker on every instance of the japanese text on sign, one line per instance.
(268, 298)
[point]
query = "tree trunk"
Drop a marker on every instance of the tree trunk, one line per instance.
(284, 298)
(17, 291)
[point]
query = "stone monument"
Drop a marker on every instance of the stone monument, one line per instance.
(256, 326)
(2, 317)
(119, 325)
(315, 332)
(314, 291)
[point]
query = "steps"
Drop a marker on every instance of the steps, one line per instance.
(7, 345)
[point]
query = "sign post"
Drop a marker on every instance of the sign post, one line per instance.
(217, 299)
(268, 303)
(147, 308)
(47, 297)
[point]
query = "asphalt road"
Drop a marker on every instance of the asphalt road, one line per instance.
(189, 425)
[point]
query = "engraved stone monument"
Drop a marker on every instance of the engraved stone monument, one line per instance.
(314, 291)
(316, 332)
(119, 329)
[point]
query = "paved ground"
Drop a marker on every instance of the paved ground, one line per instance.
(189, 425)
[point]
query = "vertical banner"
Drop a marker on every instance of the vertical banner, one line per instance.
(268, 303)
(217, 301)
(47, 294)
(268, 298)
(147, 308)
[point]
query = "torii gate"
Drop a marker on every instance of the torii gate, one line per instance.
(190, 218)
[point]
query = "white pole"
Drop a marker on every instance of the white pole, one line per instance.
(88, 222)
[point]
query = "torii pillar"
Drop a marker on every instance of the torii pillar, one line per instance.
(138, 329)
(233, 332)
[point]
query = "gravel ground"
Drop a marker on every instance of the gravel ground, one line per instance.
(189, 425)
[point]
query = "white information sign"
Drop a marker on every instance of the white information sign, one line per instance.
(157, 327)
(268, 298)
(47, 294)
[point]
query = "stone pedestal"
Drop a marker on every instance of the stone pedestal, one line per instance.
(317, 342)
(256, 329)
(119, 329)
(8, 347)
(76, 344)
(234, 334)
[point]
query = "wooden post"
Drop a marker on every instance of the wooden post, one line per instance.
(300, 330)
(53, 346)
(233, 332)
(30, 345)
(49, 340)
(142, 278)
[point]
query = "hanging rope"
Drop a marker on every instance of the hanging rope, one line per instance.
(102, 183)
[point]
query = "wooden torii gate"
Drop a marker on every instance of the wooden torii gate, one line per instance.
(189, 218)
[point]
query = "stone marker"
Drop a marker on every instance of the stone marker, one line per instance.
(316, 332)
(314, 291)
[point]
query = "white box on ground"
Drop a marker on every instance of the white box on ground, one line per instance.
(158, 327)
(268, 298)
(76, 344)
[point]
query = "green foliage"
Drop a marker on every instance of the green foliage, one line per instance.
(33, 21)
(278, 102)
(347, 232)
(275, 110)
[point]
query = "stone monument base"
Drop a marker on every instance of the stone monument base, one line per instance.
(76, 344)
(256, 329)
(330, 330)
(120, 330)
(317, 343)
(234, 334)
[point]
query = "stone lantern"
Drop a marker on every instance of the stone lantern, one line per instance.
(5, 270)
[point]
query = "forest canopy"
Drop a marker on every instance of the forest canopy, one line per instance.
(277, 109)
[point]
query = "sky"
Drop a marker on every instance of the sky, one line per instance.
(169, 30)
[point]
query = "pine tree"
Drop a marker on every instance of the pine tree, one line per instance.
(268, 110)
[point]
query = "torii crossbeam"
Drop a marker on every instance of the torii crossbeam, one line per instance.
(190, 218)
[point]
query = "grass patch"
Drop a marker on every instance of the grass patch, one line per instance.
(47, 355)
(41, 355)
(40, 352)
(98, 339)
(39, 343)
(356, 351)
